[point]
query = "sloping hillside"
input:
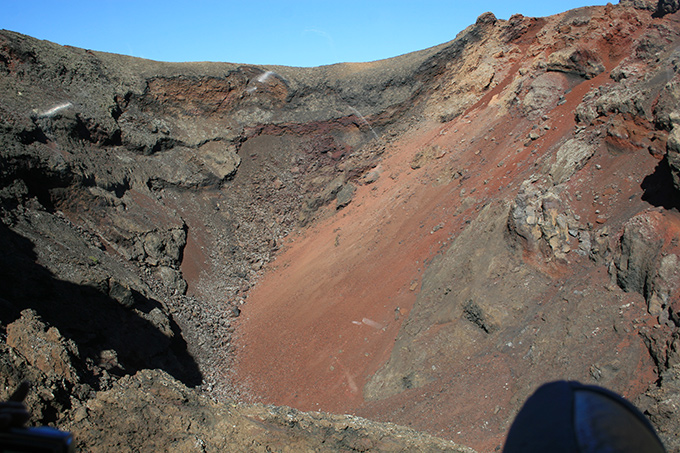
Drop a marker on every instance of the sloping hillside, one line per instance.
(526, 237)
(421, 240)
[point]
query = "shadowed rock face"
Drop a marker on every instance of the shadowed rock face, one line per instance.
(422, 240)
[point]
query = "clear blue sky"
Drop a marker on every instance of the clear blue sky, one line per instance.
(292, 33)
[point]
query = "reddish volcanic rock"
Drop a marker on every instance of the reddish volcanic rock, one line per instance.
(422, 240)
(488, 320)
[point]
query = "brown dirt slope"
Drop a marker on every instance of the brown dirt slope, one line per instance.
(491, 254)
(422, 240)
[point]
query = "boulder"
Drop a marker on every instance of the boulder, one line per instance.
(666, 7)
(486, 18)
(220, 159)
(578, 61)
(544, 93)
(345, 195)
(540, 220)
(666, 114)
(673, 155)
(43, 346)
(636, 263)
(571, 157)
(644, 263)
(121, 293)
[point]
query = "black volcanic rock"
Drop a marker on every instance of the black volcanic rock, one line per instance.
(512, 188)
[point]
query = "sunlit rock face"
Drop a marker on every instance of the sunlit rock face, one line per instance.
(422, 240)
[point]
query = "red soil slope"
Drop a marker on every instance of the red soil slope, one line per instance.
(326, 315)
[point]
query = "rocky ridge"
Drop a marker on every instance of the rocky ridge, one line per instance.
(527, 234)
(141, 199)
(141, 202)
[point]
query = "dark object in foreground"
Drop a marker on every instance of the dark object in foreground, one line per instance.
(571, 417)
(14, 438)
(36, 440)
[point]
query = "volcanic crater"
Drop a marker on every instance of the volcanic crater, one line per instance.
(383, 256)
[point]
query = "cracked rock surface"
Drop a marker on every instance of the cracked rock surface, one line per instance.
(384, 256)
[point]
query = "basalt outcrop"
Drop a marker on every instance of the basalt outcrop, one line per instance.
(421, 240)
